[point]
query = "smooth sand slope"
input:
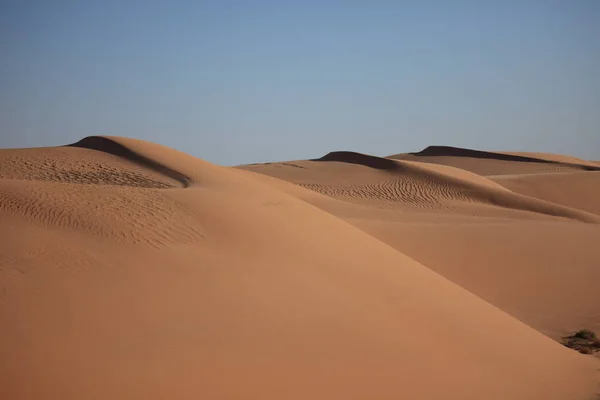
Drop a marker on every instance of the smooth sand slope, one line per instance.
(572, 189)
(131, 270)
(525, 243)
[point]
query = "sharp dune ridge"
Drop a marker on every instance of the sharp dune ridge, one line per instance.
(131, 270)
(360, 159)
(448, 151)
(487, 163)
(415, 184)
(111, 146)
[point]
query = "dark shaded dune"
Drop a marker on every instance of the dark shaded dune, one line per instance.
(448, 151)
(361, 159)
(460, 152)
(110, 146)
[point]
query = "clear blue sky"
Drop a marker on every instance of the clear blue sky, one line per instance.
(249, 81)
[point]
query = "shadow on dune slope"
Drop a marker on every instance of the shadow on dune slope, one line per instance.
(448, 151)
(360, 159)
(110, 146)
(413, 184)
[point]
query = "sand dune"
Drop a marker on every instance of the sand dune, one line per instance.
(131, 270)
(386, 183)
(500, 244)
(572, 189)
(497, 163)
(560, 158)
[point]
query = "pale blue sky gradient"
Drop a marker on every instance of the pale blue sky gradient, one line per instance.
(237, 82)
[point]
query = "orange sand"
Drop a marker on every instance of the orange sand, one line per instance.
(131, 270)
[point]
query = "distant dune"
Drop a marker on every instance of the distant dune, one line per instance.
(572, 189)
(556, 158)
(497, 163)
(132, 270)
(386, 183)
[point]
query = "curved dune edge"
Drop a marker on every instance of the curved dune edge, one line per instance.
(281, 297)
(554, 157)
(72, 165)
(576, 190)
(400, 181)
(187, 169)
(449, 151)
(118, 147)
(534, 266)
(361, 159)
(92, 200)
(487, 163)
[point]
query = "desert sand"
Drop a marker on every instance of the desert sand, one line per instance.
(131, 270)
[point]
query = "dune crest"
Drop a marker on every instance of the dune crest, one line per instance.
(448, 151)
(114, 147)
(217, 282)
(498, 236)
(360, 159)
(409, 184)
(497, 163)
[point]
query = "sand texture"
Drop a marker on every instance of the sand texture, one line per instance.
(129, 270)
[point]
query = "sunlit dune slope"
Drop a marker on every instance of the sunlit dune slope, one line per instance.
(385, 183)
(130, 270)
(559, 158)
(539, 263)
(572, 189)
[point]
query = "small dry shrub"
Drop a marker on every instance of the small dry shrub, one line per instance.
(584, 341)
